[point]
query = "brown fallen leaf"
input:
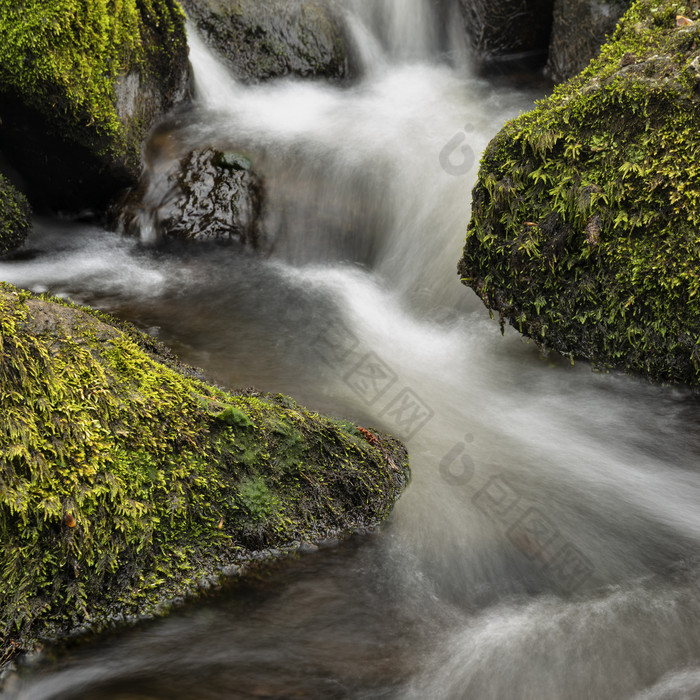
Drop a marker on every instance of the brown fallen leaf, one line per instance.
(683, 21)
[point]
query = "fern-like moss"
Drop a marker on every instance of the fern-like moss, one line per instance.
(585, 230)
(124, 482)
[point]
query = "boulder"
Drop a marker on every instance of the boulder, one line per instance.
(15, 217)
(586, 212)
(127, 481)
(205, 195)
(81, 84)
(263, 39)
(507, 33)
(579, 29)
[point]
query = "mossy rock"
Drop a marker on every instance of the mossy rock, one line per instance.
(81, 84)
(15, 217)
(263, 39)
(585, 228)
(126, 482)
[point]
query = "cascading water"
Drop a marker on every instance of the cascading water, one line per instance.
(405, 29)
(545, 548)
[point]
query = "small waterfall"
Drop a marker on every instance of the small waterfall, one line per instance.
(377, 161)
(406, 30)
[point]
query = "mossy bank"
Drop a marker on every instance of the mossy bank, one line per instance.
(585, 229)
(126, 482)
(81, 84)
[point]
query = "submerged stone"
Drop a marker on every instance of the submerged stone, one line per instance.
(579, 30)
(503, 32)
(586, 212)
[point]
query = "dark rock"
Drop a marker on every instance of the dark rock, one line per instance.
(204, 195)
(508, 32)
(586, 212)
(264, 39)
(79, 93)
(15, 217)
(579, 30)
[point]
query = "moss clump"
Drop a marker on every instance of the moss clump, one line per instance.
(15, 217)
(234, 416)
(124, 483)
(94, 74)
(585, 230)
(258, 501)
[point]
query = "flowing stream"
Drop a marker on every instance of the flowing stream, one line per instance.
(546, 547)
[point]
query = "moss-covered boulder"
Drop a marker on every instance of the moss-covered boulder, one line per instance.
(81, 84)
(126, 482)
(585, 229)
(579, 29)
(15, 217)
(503, 32)
(262, 39)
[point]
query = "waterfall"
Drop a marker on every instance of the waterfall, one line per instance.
(406, 29)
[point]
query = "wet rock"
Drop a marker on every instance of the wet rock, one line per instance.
(585, 216)
(204, 195)
(15, 217)
(578, 31)
(80, 90)
(506, 33)
(264, 39)
(164, 489)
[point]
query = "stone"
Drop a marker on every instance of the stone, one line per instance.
(205, 195)
(507, 33)
(263, 39)
(579, 29)
(15, 217)
(149, 470)
(80, 89)
(586, 212)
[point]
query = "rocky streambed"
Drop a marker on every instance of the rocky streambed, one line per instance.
(130, 482)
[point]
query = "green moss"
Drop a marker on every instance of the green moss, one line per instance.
(123, 482)
(259, 503)
(64, 58)
(586, 214)
(234, 416)
(15, 217)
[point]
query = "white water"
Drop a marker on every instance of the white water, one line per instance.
(545, 548)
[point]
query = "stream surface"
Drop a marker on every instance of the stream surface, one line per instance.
(547, 545)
